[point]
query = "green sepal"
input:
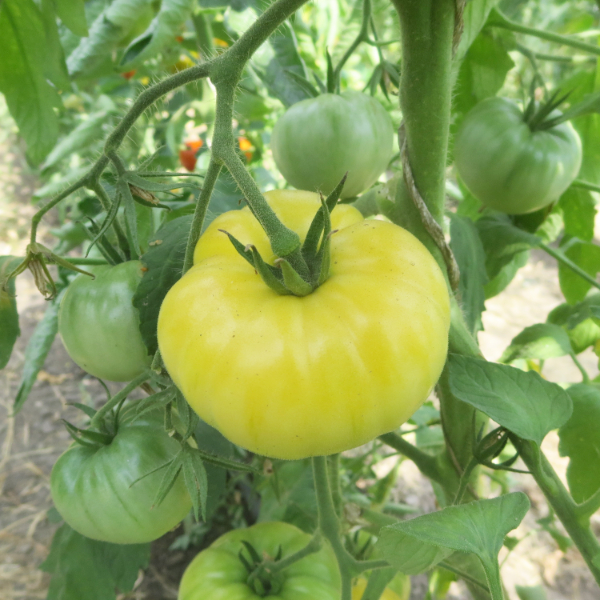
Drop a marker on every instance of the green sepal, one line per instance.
(87, 437)
(241, 249)
(108, 221)
(196, 481)
(293, 282)
(168, 174)
(311, 242)
(226, 463)
(331, 82)
(158, 400)
(187, 416)
(271, 276)
(254, 555)
(88, 410)
(113, 255)
(130, 218)
(174, 466)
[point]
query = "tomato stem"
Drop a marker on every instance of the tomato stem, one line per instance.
(571, 515)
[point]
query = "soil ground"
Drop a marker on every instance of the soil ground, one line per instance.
(31, 441)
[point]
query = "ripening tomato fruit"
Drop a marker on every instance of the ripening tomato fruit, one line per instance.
(290, 377)
(217, 573)
(320, 139)
(100, 327)
(187, 158)
(509, 166)
(390, 593)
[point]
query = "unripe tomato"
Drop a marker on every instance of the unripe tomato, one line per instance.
(217, 573)
(99, 325)
(508, 166)
(92, 486)
(318, 140)
(290, 377)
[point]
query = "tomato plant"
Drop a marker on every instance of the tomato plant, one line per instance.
(360, 585)
(511, 166)
(106, 492)
(99, 325)
(319, 139)
(329, 371)
(219, 572)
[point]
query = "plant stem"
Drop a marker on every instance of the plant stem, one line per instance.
(363, 36)
(584, 373)
(494, 581)
(554, 57)
(76, 260)
(313, 546)
(329, 524)
(425, 92)
(333, 463)
(426, 463)
(118, 397)
(464, 480)
(561, 258)
(561, 502)
(585, 185)
(212, 174)
(106, 203)
(499, 20)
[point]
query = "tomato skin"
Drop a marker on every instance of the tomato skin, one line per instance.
(99, 325)
(318, 140)
(187, 158)
(507, 166)
(291, 377)
(91, 487)
(218, 574)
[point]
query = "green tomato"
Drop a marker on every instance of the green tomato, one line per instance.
(319, 139)
(217, 573)
(509, 167)
(99, 325)
(585, 333)
(92, 487)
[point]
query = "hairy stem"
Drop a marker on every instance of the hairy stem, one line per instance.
(212, 174)
(561, 502)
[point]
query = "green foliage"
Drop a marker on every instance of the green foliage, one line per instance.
(84, 568)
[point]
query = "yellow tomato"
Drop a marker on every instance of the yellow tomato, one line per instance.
(290, 377)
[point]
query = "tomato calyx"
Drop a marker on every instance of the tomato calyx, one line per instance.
(540, 117)
(260, 577)
(303, 271)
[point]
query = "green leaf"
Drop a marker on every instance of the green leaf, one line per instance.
(580, 441)
(72, 14)
(579, 211)
(580, 321)
(37, 349)
(55, 67)
(84, 135)
(289, 495)
(9, 316)
(470, 256)
(30, 98)
(540, 341)
(164, 262)
(481, 74)
(502, 241)
(108, 28)
(163, 29)
(506, 274)
(520, 401)
(585, 255)
(478, 528)
(85, 568)
(474, 18)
